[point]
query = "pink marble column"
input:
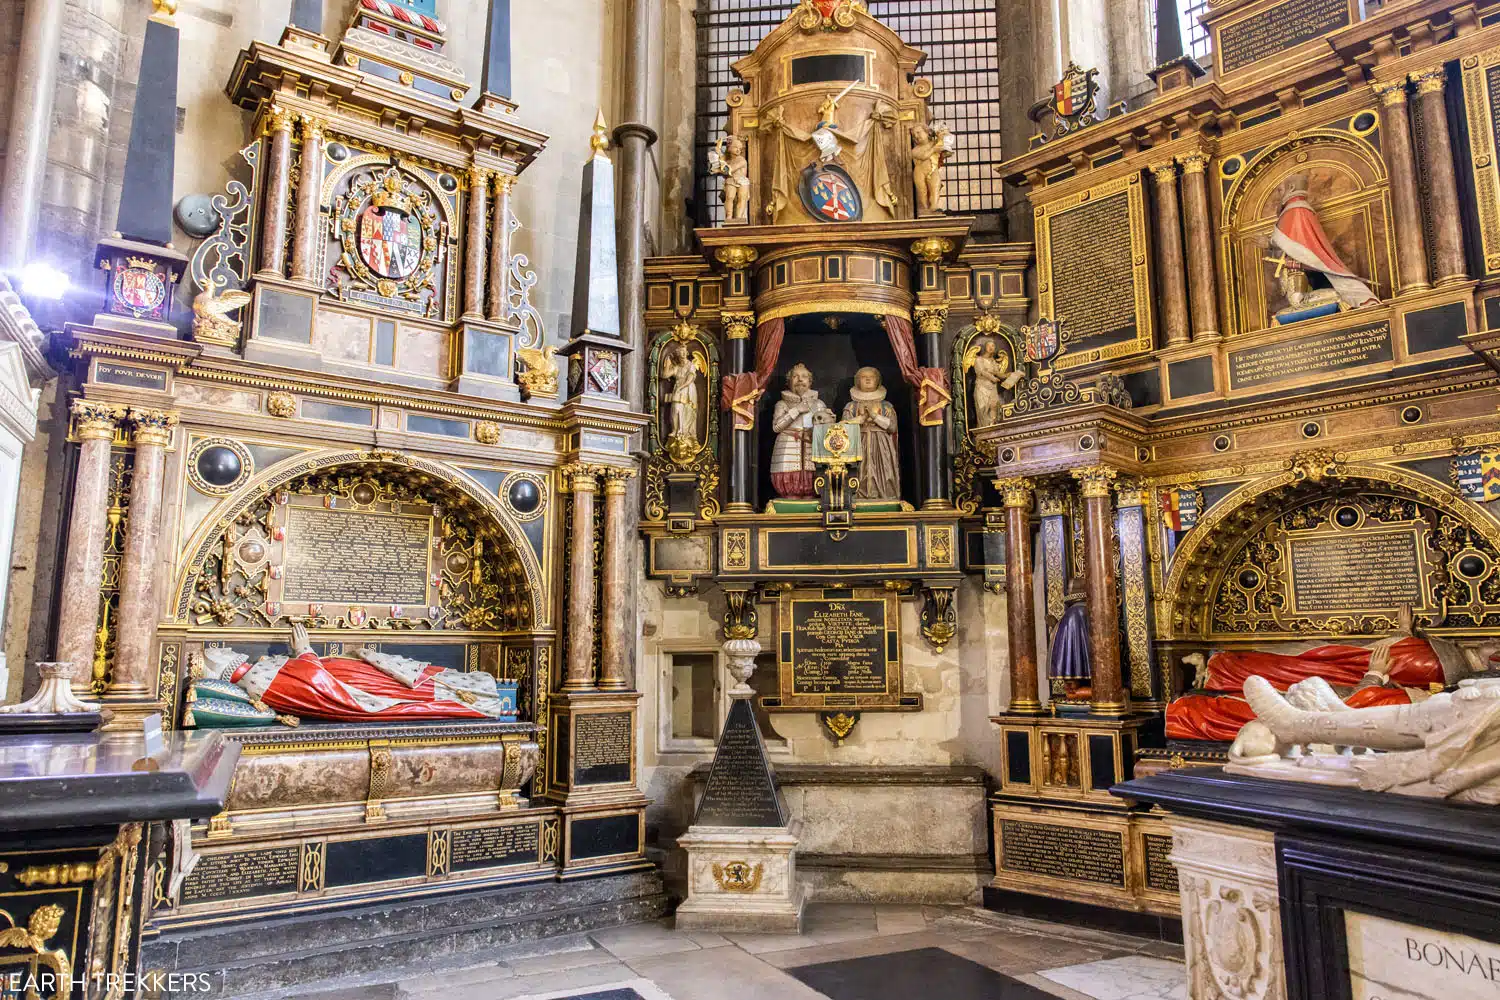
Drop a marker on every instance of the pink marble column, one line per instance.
(1174, 308)
(474, 263)
(1406, 200)
(496, 305)
(1203, 297)
(1020, 603)
(83, 566)
(136, 623)
(309, 185)
(579, 674)
(616, 616)
(1443, 205)
(278, 170)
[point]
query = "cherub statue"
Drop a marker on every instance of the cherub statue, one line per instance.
(930, 150)
(728, 160)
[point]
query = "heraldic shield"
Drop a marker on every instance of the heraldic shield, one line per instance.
(390, 241)
(830, 194)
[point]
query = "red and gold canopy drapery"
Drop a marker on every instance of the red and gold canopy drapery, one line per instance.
(741, 392)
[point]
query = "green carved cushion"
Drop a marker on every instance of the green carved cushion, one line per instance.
(219, 713)
(222, 690)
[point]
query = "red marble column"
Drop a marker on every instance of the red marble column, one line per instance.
(278, 171)
(1406, 202)
(136, 623)
(1174, 307)
(83, 566)
(496, 305)
(1109, 697)
(579, 672)
(1442, 205)
(1020, 603)
(1202, 292)
(474, 262)
(617, 617)
(309, 185)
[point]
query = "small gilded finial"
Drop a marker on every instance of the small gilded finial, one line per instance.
(599, 141)
(163, 10)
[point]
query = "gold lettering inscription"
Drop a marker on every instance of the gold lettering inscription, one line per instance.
(1277, 29)
(1365, 571)
(356, 557)
(1093, 284)
(1161, 874)
(1075, 853)
(494, 845)
(1325, 352)
(603, 741)
(838, 647)
(247, 873)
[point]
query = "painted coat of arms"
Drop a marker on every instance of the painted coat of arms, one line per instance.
(830, 194)
(390, 241)
(1043, 341)
(139, 289)
(1074, 99)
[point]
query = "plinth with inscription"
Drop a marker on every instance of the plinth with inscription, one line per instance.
(742, 871)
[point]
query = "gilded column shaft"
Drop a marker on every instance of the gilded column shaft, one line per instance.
(83, 566)
(1174, 305)
(617, 617)
(474, 262)
(1103, 608)
(1020, 604)
(1406, 202)
(1203, 298)
(136, 623)
(309, 184)
(496, 305)
(1442, 203)
(582, 621)
(278, 171)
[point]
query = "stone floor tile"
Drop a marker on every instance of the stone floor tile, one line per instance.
(542, 983)
(720, 974)
(385, 991)
(900, 920)
(861, 948)
(487, 973)
(643, 988)
(641, 940)
(562, 961)
(829, 914)
(1130, 977)
(1014, 955)
(707, 939)
(1056, 989)
(759, 944)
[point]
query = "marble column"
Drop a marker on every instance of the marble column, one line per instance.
(1020, 604)
(579, 674)
(83, 566)
(34, 80)
(278, 172)
(496, 304)
(617, 617)
(1442, 195)
(1174, 307)
(309, 186)
(1202, 294)
(136, 621)
(474, 258)
(1406, 201)
(931, 320)
(737, 330)
(1109, 696)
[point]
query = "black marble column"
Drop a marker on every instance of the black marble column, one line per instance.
(935, 463)
(737, 331)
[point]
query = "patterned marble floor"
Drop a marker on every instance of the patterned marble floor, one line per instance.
(847, 952)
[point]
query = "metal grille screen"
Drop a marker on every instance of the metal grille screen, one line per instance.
(963, 63)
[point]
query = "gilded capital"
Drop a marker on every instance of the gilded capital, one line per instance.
(153, 426)
(615, 480)
(1096, 480)
(932, 249)
(94, 421)
(478, 178)
(1130, 493)
(1193, 163)
(312, 126)
(736, 258)
(1052, 502)
(280, 119)
(1391, 94)
(930, 319)
(1429, 81)
(1016, 491)
(737, 325)
(581, 477)
(505, 183)
(1165, 173)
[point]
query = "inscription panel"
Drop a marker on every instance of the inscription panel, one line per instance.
(741, 790)
(838, 647)
(129, 375)
(1161, 874)
(1325, 352)
(241, 874)
(601, 753)
(356, 557)
(1092, 272)
(1362, 570)
(493, 847)
(1394, 960)
(1278, 28)
(1073, 853)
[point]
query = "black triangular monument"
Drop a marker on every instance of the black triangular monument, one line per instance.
(741, 788)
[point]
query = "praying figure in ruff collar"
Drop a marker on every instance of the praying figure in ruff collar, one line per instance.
(797, 411)
(880, 473)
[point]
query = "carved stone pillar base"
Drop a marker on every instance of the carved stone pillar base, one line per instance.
(742, 879)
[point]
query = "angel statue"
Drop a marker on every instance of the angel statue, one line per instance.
(930, 150)
(727, 159)
(680, 370)
(992, 372)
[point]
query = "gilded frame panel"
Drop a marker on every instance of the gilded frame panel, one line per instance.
(1482, 112)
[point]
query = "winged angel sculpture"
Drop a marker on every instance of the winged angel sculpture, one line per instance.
(993, 371)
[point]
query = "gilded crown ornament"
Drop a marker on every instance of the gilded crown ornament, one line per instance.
(389, 193)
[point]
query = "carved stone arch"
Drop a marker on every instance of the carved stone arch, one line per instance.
(1223, 544)
(1348, 186)
(511, 591)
